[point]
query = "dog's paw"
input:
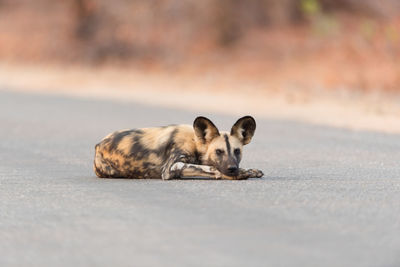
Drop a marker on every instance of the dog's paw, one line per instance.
(254, 173)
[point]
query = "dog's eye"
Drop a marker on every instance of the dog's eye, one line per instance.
(219, 152)
(236, 151)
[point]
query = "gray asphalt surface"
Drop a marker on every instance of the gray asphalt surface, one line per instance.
(329, 197)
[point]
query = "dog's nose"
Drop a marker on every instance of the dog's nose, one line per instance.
(233, 170)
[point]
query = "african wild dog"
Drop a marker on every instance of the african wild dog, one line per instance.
(176, 151)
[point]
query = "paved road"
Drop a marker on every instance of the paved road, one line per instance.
(330, 197)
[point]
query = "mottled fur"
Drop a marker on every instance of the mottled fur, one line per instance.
(176, 151)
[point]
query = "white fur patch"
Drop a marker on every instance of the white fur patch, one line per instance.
(177, 166)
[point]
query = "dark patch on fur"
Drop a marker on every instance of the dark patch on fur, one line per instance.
(196, 159)
(238, 156)
(137, 131)
(148, 165)
(228, 145)
(117, 139)
(164, 150)
(138, 151)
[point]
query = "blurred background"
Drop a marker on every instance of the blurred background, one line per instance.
(298, 49)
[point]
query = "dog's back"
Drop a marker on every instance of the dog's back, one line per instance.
(141, 153)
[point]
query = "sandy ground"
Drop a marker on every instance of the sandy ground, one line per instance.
(211, 92)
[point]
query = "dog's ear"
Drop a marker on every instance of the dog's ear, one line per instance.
(244, 129)
(205, 130)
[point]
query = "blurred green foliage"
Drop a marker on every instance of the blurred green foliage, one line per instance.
(310, 7)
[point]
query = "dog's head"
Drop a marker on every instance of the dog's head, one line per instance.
(223, 150)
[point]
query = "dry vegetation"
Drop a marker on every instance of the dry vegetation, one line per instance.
(286, 43)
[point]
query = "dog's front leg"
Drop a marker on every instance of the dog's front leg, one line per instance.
(187, 170)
